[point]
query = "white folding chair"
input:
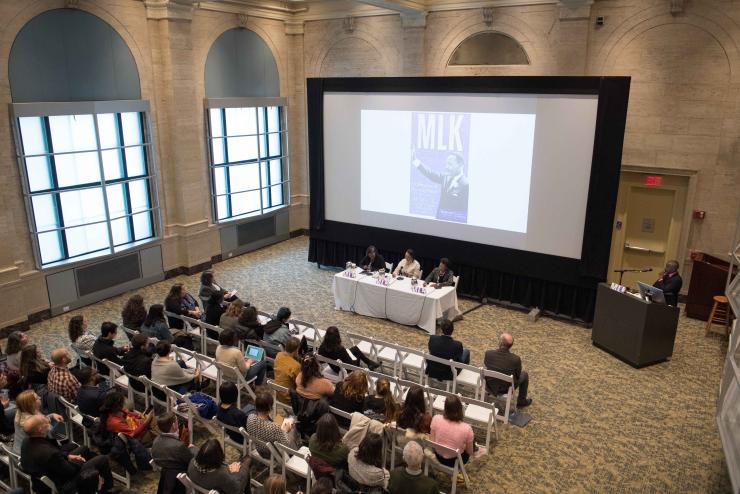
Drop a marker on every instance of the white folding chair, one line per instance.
(451, 471)
(223, 430)
(389, 267)
(15, 468)
(296, 462)
(191, 487)
(232, 374)
(75, 418)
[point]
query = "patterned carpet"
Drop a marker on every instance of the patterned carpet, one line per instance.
(598, 425)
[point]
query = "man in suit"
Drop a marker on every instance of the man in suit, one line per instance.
(43, 456)
(445, 347)
(503, 361)
(441, 276)
(372, 261)
(171, 454)
(454, 191)
(670, 282)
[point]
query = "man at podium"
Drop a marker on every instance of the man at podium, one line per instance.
(670, 282)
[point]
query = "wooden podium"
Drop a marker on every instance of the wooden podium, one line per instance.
(708, 278)
(633, 330)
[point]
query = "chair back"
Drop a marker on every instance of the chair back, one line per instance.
(191, 486)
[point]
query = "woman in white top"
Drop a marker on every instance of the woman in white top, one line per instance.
(408, 266)
(81, 339)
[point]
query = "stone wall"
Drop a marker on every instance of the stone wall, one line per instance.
(684, 113)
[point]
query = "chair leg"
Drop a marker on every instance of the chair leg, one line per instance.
(708, 328)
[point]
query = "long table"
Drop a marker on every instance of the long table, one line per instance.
(364, 294)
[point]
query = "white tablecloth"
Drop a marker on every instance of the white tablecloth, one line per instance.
(397, 302)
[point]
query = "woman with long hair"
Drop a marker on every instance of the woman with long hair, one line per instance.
(310, 384)
(332, 348)
(275, 484)
(16, 341)
(180, 302)
(28, 404)
(155, 325)
(349, 395)
(382, 405)
(413, 415)
(365, 462)
(117, 418)
(248, 325)
(82, 341)
(134, 312)
(326, 443)
(230, 317)
(208, 471)
(34, 367)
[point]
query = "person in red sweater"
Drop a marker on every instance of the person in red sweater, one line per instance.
(117, 418)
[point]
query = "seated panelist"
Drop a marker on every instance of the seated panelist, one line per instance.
(408, 266)
(372, 260)
(440, 276)
(670, 282)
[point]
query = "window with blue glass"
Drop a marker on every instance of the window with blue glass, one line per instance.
(88, 183)
(248, 160)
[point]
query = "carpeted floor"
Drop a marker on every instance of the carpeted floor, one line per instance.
(598, 425)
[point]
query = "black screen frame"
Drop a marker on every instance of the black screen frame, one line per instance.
(548, 274)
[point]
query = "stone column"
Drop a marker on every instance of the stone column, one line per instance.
(182, 167)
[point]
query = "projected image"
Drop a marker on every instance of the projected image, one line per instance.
(439, 182)
(472, 168)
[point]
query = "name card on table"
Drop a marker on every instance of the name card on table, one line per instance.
(350, 274)
(418, 289)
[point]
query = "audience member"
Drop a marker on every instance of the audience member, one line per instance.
(43, 456)
(60, 379)
(411, 478)
(90, 396)
(503, 361)
(228, 411)
(180, 302)
(34, 368)
(445, 347)
(261, 426)
(287, 367)
(323, 485)
(230, 318)
(249, 326)
(134, 312)
(168, 451)
(28, 404)
(365, 462)
(382, 402)
(450, 430)
(441, 276)
(413, 415)
(275, 484)
(276, 332)
(167, 372)
(137, 361)
(408, 266)
(331, 348)
(349, 395)
(117, 418)
(228, 353)
(326, 443)
(213, 309)
(207, 470)
(155, 325)
(17, 340)
(208, 287)
(104, 347)
(310, 384)
(82, 341)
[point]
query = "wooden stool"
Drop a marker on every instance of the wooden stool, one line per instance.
(720, 315)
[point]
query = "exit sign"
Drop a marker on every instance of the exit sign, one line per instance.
(653, 180)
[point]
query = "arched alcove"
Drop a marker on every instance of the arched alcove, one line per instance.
(240, 64)
(489, 48)
(71, 55)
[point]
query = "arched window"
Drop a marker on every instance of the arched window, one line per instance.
(489, 48)
(83, 138)
(247, 127)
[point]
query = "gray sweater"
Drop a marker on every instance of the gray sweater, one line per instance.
(169, 373)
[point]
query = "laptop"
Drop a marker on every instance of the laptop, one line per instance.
(650, 293)
(255, 353)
